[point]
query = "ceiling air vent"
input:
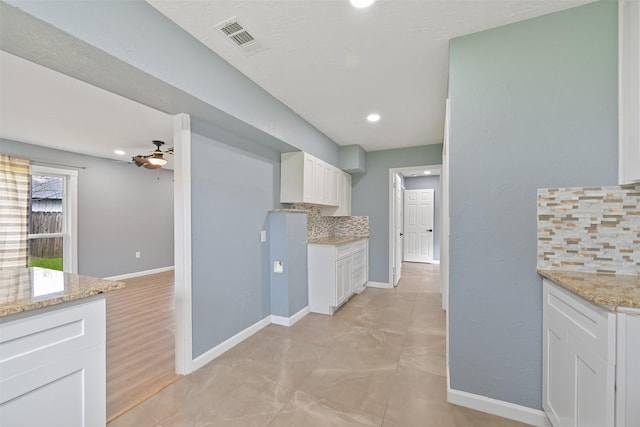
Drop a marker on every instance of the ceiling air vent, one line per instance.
(235, 32)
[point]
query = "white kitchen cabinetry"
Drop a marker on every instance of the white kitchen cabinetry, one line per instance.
(336, 272)
(343, 196)
(580, 352)
(52, 367)
(629, 90)
(307, 179)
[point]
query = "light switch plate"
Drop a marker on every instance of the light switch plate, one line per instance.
(263, 236)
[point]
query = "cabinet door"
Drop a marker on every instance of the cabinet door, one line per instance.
(344, 280)
(578, 388)
(345, 202)
(334, 183)
(556, 378)
(593, 387)
(319, 181)
(308, 179)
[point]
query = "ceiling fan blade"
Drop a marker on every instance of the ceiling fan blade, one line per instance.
(140, 160)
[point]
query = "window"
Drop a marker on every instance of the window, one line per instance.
(53, 219)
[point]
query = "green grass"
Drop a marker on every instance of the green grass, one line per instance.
(50, 263)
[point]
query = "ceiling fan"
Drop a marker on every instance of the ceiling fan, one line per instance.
(155, 160)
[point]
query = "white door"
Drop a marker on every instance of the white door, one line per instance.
(418, 225)
(397, 229)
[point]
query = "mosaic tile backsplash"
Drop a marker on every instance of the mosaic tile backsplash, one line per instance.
(590, 229)
(333, 226)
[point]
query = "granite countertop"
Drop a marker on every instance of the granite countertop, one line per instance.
(289, 210)
(25, 289)
(620, 293)
(336, 241)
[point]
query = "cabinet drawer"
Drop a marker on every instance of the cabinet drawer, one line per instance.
(343, 251)
(359, 259)
(359, 277)
(42, 338)
(359, 245)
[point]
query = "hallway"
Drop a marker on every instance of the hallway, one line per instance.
(379, 361)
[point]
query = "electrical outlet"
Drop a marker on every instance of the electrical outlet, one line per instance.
(278, 266)
(263, 236)
(137, 255)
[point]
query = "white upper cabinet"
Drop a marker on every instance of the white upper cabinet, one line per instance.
(629, 91)
(307, 179)
(343, 197)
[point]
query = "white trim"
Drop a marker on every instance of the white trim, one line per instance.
(182, 245)
(228, 344)
(380, 285)
(140, 273)
(523, 414)
(435, 261)
(69, 213)
(290, 321)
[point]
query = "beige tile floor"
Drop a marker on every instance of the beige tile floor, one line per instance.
(379, 361)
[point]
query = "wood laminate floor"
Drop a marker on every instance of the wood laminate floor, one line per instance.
(140, 341)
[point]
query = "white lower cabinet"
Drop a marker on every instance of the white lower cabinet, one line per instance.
(336, 272)
(579, 362)
(52, 367)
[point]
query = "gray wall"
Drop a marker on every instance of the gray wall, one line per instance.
(533, 105)
(429, 182)
(122, 209)
(370, 197)
(287, 237)
(232, 192)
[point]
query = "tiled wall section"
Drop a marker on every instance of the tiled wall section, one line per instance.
(333, 226)
(590, 229)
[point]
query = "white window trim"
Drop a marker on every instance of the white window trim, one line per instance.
(69, 214)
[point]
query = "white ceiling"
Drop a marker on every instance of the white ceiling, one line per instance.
(333, 64)
(329, 62)
(43, 107)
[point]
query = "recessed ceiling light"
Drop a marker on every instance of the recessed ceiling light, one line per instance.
(373, 117)
(119, 152)
(361, 4)
(427, 172)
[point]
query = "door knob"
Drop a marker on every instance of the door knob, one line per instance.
(430, 230)
(401, 234)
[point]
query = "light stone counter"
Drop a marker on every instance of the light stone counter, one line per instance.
(335, 241)
(25, 289)
(620, 293)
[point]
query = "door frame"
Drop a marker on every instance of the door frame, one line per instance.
(182, 243)
(435, 170)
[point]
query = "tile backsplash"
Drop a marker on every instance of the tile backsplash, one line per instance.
(333, 226)
(590, 229)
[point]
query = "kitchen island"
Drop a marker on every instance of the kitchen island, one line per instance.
(52, 348)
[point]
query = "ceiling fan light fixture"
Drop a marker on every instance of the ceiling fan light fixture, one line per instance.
(157, 160)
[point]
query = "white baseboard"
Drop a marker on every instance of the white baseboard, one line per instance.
(140, 273)
(435, 261)
(523, 414)
(216, 351)
(380, 285)
(290, 321)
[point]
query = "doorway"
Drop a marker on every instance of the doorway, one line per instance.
(397, 235)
